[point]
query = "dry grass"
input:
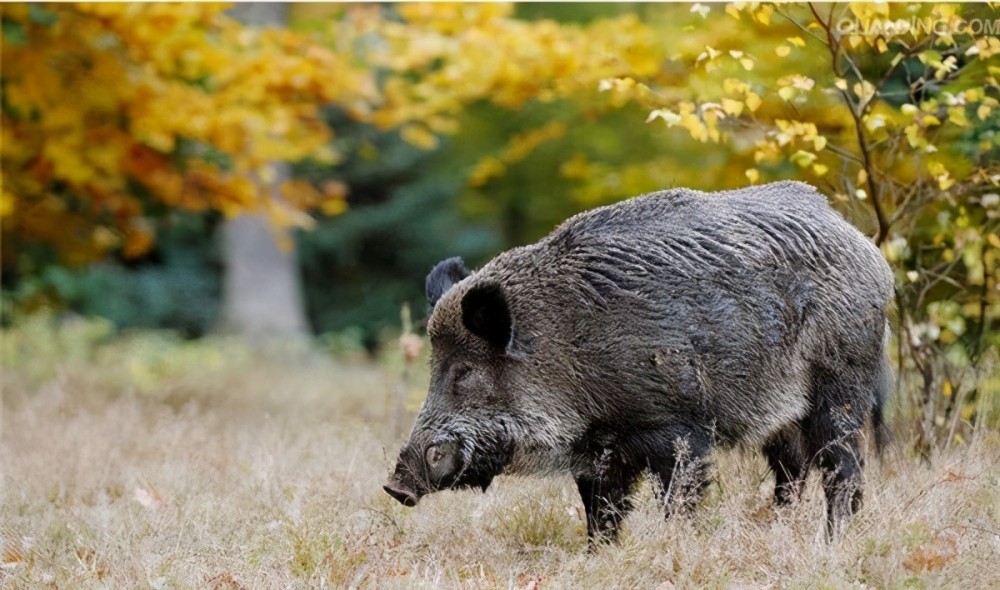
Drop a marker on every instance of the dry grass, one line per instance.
(245, 470)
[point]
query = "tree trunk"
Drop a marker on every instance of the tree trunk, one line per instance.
(261, 14)
(261, 291)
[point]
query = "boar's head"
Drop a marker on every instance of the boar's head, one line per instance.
(489, 408)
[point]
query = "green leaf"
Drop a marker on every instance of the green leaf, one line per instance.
(13, 33)
(929, 55)
(40, 16)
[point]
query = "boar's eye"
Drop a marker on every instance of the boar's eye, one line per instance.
(460, 376)
(461, 373)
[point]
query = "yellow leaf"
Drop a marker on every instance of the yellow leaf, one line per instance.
(8, 203)
(764, 14)
(874, 122)
(913, 136)
(797, 41)
(695, 127)
(956, 116)
(747, 63)
(732, 107)
(333, 207)
(325, 155)
(669, 117)
(786, 93)
(753, 175)
(782, 50)
(734, 86)
(710, 53)
(820, 169)
(701, 10)
(104, 238)
(864, 90)
(138, 242)
(419, 136)
(267, 174)
(485, 170)
(802, 158)
(753, 101)
(797, 81)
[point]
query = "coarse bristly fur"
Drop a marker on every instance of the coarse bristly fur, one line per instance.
(640, 335)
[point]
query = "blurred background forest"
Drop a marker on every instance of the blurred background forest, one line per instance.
(297, 169)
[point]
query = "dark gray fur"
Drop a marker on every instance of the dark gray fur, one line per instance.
(444, 274)
(640, 335)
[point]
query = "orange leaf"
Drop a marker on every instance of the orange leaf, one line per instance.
(933, 555)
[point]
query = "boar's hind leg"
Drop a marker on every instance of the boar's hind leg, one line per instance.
(833, 431)
(785, 454)
(606, 500)
(681, 466)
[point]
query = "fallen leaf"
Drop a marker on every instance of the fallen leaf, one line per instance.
(12, 558)
(934, 554)
(950, 476)
(224, 581)
(148, 498)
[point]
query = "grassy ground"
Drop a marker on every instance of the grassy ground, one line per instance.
(145, 463)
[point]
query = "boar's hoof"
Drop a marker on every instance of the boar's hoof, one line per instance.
(404, 496)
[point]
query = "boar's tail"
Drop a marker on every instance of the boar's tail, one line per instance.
(883, 389)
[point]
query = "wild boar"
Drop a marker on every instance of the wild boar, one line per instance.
(641, 335)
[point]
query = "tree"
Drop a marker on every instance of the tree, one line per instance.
(115, 114)
(261, 290)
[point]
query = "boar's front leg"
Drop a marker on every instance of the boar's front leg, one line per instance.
(606, 500)
(680, 463)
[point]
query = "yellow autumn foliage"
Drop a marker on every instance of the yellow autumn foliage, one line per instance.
(114, 110)
(110, 108)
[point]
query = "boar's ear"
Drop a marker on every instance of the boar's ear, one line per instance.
(445, 274)
(485, 313)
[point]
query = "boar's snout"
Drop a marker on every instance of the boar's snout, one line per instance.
(400, 493)
(440, 467)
